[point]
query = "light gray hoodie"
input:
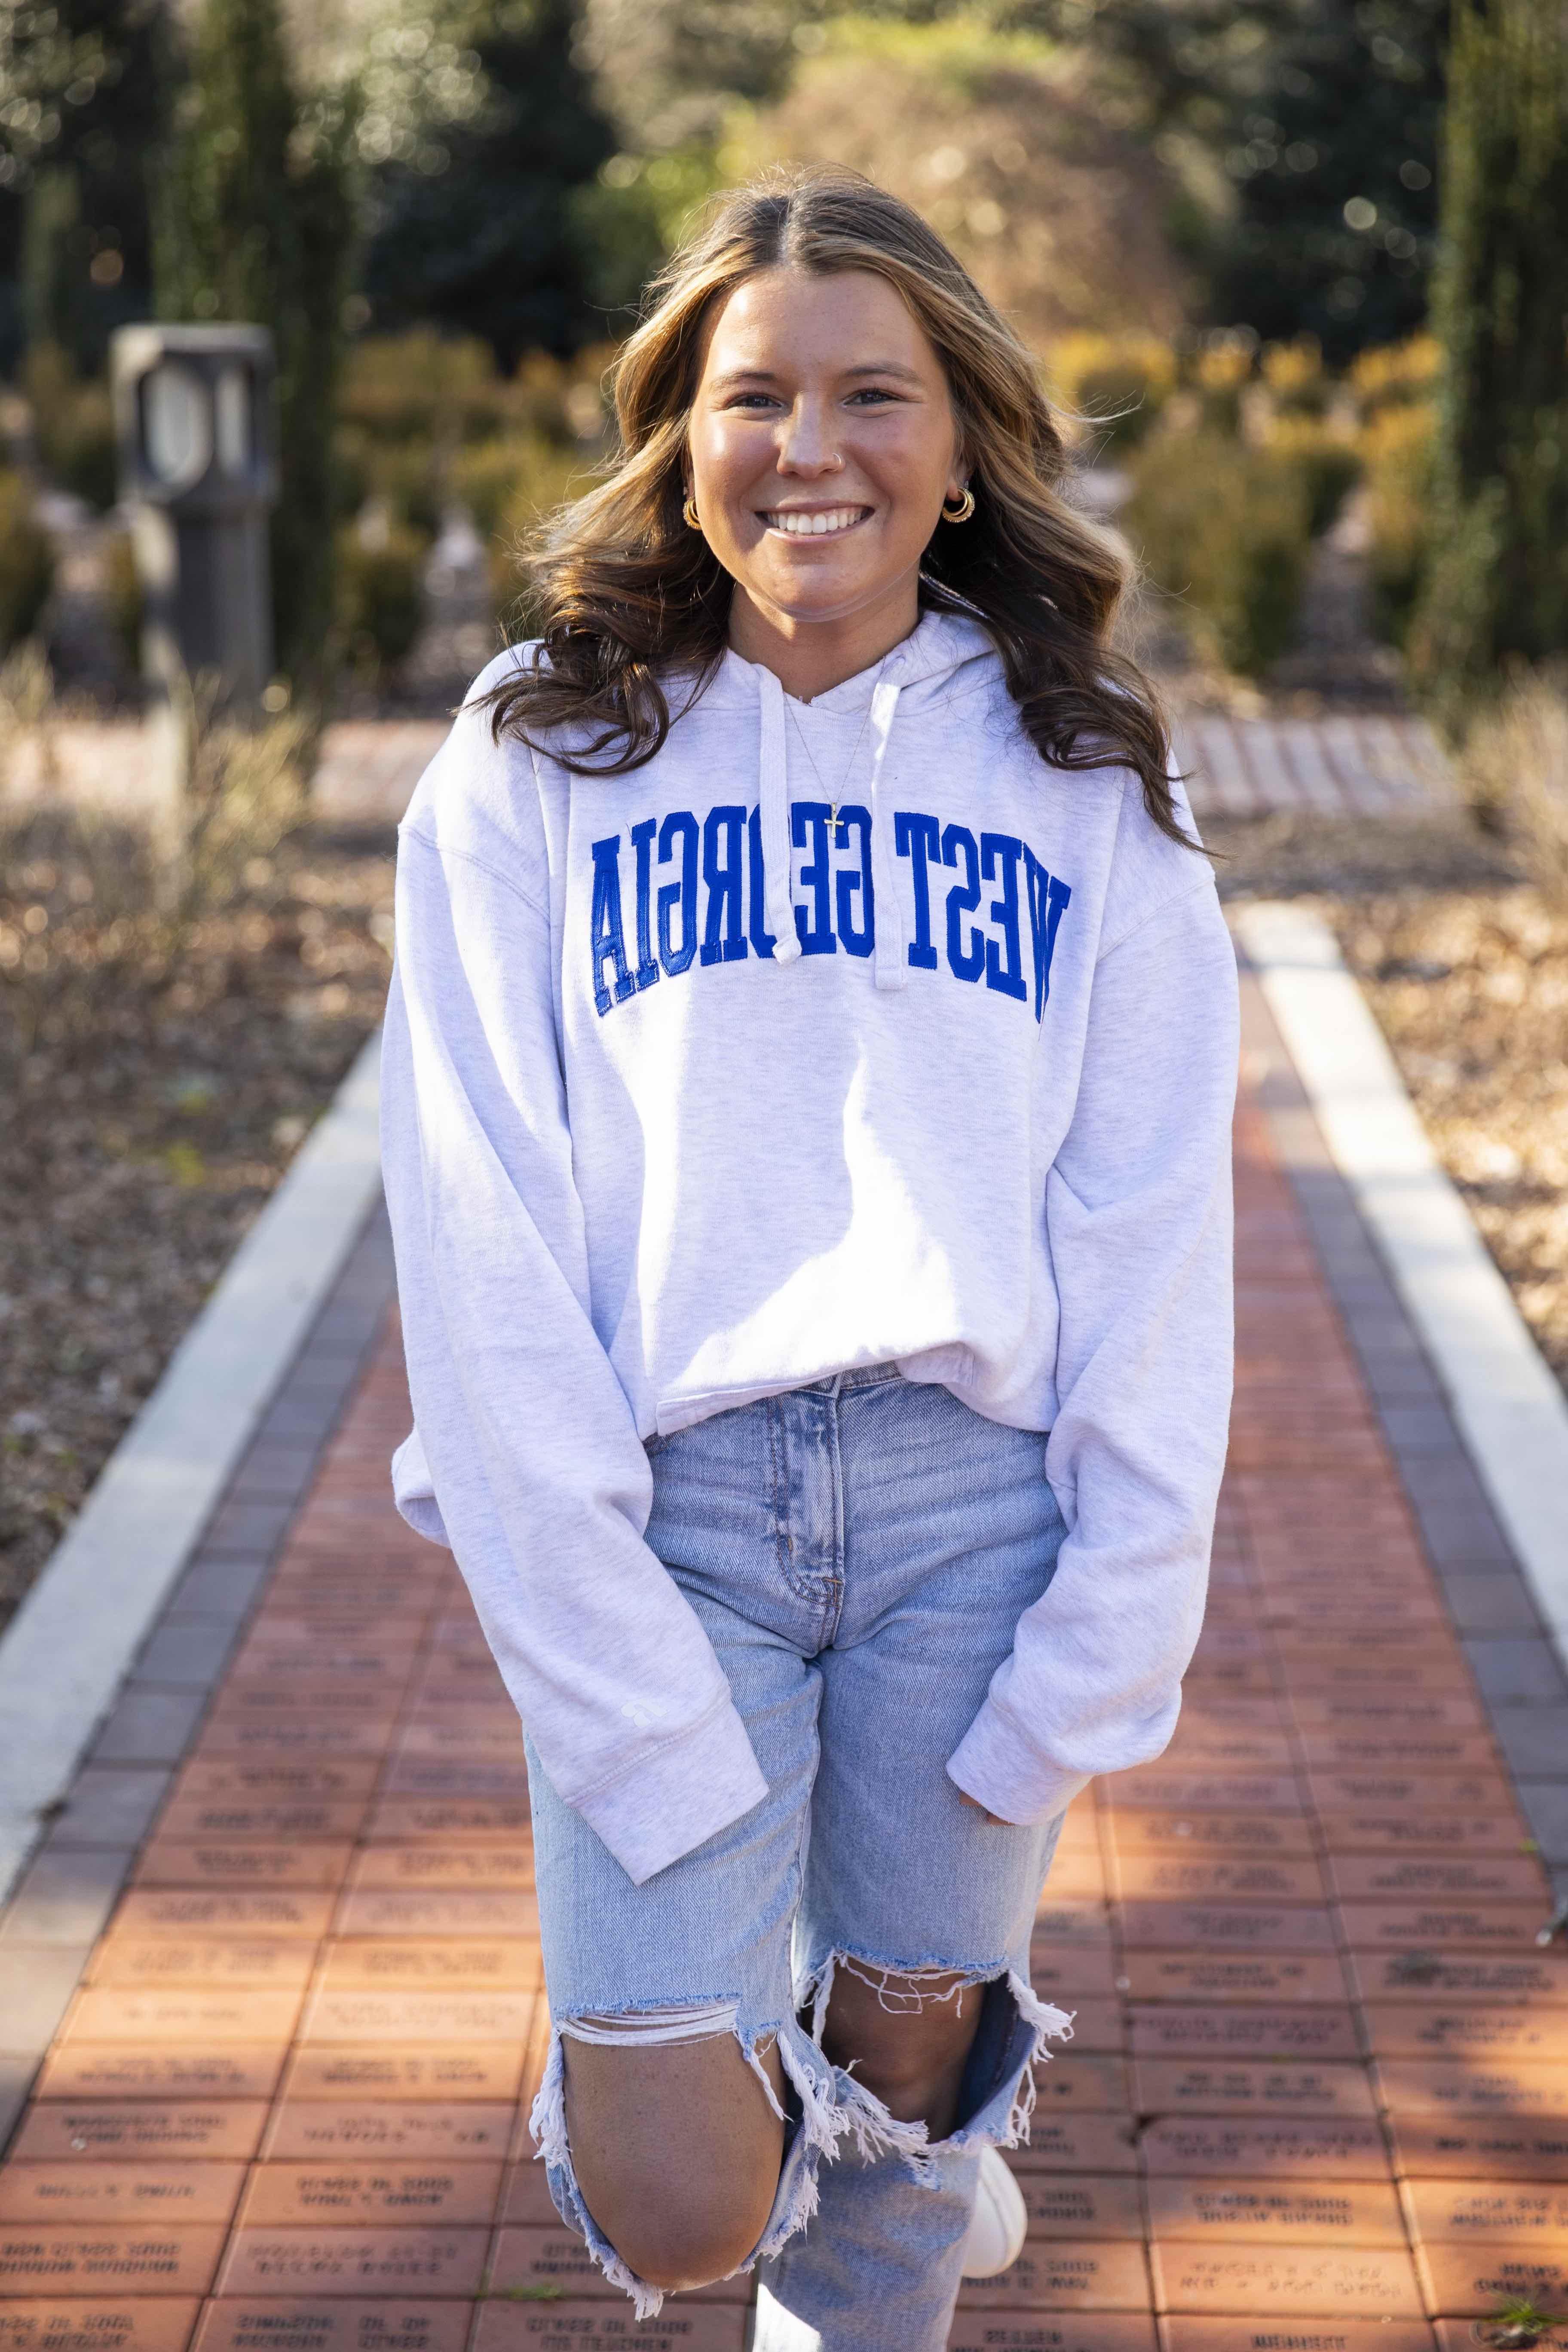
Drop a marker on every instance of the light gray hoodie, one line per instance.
(693, 1092)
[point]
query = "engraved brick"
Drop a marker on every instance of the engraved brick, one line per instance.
(384, 2189)
(1446, 1928)
(120, 2196)
(1240, 2031)
(1058, 1973)
(1476, 2279)
(1068, 2083)
(1226, 1927)
(1083, 2143)
(557, 2257)
(1017, 2331)
(1481, 1794)
(1165, 2086)
(1420, 2028)
(1209, 2335)
(573, 2325)
(69, 2262)
(1274, 1837)
(193, 2018)
(1465, 2335)
(176, 1864)
(291, 1737)
(1057, 2279)
(1082, 2205)
(355, 2262)
(1466, 1755)
(1260, 2282)
(1273, 2149)
(61, 2129)
(474, 2071)
(1147, 1877)
(193, 1818)
(1193, 1791)
(1263, 1976)
(1473, 2090)
(1299, 2212)
(509, 1864)
(1499, 2212)
(1421, 1973)
(304, 2129)
(445, 1912)
(330, 2323)
(97, 2323)
(406, 1819)
(378, 2017)
(1522, 2150)
(131, 1960)
(1432, 1880)
(186, 1911)
(82, 2070)
(276, 1780)
(1368, 1830)
(461, 1963)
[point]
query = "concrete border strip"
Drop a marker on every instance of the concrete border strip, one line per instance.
(70, 1644)
(1507, 1406)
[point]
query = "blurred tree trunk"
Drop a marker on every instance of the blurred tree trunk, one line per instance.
(256, 222)
(1497, 579)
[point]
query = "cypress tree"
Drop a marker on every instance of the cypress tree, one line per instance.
(257, 224)
(478, 233)
(1497, 579)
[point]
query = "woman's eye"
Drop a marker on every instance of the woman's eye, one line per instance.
(873, 394)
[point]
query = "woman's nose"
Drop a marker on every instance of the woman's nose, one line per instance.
(806, 440)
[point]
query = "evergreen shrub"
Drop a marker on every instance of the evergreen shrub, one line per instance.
(380, 594)
(1225, 529)
(27, 563)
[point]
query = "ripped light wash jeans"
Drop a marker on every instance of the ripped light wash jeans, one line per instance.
(859, 1552)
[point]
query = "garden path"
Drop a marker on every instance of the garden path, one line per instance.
(271, 1988)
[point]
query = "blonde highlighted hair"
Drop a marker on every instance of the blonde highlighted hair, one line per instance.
(626, 598)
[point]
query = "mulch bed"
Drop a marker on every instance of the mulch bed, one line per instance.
(1465, 965)
(129, 1172)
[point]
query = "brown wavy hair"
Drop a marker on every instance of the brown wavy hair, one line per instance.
(625, 597)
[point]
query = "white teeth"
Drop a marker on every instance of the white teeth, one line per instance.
(801, 526)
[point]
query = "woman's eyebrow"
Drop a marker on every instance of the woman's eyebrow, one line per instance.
(765, 375)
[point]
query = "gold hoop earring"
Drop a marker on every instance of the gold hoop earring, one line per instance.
(688, 514)
(963, 511)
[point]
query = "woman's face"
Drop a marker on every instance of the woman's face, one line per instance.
(821, 444)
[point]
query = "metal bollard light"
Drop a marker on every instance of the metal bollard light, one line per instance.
(193, 409)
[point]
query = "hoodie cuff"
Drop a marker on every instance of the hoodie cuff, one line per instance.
(992, 1765)
(677, 1799)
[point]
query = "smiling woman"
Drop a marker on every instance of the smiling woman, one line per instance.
(806, 1085)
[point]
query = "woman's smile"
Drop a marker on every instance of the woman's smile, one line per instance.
(815, 522)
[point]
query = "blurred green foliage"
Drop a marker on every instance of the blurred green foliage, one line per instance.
(27, 565)
(1225, 529)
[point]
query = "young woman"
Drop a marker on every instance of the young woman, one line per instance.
(807, 1082)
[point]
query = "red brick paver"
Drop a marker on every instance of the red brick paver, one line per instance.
(1317, 2092)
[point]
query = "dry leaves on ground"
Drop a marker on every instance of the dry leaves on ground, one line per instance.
(130, 1170)
(1471, 991)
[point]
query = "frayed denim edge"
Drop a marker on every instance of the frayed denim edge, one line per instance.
(833, 2105)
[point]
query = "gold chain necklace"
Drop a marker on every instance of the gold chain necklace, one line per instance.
(853, 754)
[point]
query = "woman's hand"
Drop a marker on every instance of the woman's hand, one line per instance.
(995, 1820)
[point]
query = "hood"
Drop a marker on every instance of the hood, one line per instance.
(943, 655)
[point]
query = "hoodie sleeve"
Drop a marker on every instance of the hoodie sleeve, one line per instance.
(537, 1478)
(1138, 1212)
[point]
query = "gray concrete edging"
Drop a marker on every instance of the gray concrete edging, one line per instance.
(68, 1650)
(1506, 1403)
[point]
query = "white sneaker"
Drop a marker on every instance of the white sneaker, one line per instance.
(1001, 2220)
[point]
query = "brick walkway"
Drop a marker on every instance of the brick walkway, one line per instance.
(1317, 2093)
(1371, 765)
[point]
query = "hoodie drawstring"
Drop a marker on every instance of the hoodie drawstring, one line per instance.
(890, 968)
(774, 795)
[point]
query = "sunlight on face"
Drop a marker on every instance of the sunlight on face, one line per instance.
(822, 441)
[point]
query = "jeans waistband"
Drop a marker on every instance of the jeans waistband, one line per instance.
(863, 1376)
